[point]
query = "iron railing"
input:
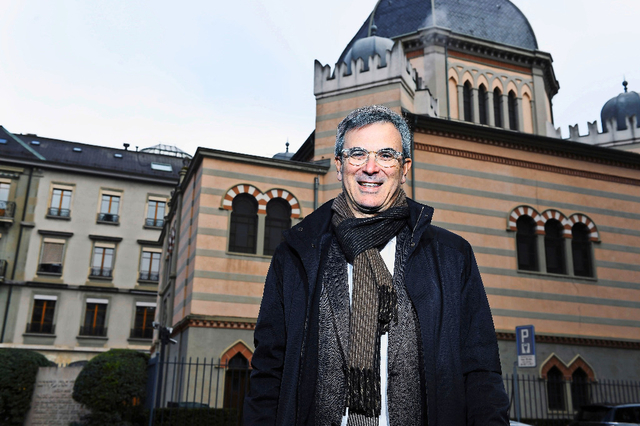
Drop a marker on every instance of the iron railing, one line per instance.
(55, 211)
(7, 209)
(99, 331)
(552, 402)
(141, 333)
(154, 222)
(101, 272)
(41, 327)
(108, 217)
(149, 276)
(203, 390)
(50, 268)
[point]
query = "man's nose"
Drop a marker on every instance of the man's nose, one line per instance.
(371, 166)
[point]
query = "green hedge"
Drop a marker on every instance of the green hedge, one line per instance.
(194, 417)
(113, 386)
(18, 370)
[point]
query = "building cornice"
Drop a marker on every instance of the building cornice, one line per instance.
(55, 233)
(202, 321)
(579, 341)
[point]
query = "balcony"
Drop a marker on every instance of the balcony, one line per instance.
(50, 268)
(59, 213)
(101, 273)
(108, 218)
(141, 333)
(7, 211)
(98, 331)
(154, 223)
(149, 276)
(3, 268)
(41, 328)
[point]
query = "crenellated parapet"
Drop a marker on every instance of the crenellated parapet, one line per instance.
(394, 70)
(628, 138)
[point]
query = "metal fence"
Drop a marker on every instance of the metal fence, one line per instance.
(204, 391)
(554, 402)
(200, 392)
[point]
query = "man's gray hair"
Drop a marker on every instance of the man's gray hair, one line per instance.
(364, 116)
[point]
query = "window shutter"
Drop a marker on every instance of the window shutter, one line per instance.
(52, 253)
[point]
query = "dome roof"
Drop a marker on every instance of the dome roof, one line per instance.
(498, 21)
(622, 106)
(366, 47)
(284, 155)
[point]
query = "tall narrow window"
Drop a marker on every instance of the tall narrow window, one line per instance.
(581, 250)
(95, 318)
(60, 203)
(466, 96)
(482, 104)
(554, 247)
(155, 213)
(579, 389)
(513, 111)
(497, 107)
(5, 205)
(555, 389)
(526, 242)
(143, 327)
(236, 381)
(150, 266)
(102, 262)
(42, 316)
(51, 256)
(278, 220)
(243, 232)
(109, 207)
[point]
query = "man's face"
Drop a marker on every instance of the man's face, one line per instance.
(371, 188)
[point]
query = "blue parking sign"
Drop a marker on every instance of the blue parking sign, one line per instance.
(526, 346)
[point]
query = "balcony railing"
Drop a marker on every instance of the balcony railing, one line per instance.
(50, 268)
(108, 217)
(99, 331)
(7, 209)
(142, 333)
(154, 222)
(3, 268)
(54, 211)
(149, 276)
(41, 327)
(101, 272)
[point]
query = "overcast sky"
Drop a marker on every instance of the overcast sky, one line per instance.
(238, 75)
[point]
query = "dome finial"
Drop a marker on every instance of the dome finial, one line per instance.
(374, 29)
(625, 84)
(287, 145)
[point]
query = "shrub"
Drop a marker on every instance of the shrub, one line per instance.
(18, 370)
(113, 386)
(195, 417)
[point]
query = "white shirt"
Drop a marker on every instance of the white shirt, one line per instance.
(388, 254)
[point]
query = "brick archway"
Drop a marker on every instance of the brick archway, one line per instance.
(239, 347)
(594, 236)
(262, 198)
(525, 211)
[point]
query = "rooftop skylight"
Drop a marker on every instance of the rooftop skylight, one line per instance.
(77, 149)
(162, 167)
(117, 155)
(35, 142)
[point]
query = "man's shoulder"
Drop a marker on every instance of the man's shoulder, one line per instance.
(448, 239)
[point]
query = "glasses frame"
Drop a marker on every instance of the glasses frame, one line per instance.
(346, 153)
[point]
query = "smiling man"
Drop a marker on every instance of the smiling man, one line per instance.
(370, 314)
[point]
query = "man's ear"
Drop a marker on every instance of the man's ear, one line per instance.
(405, 169)
(338, 169)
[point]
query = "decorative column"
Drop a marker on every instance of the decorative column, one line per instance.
(475, 105)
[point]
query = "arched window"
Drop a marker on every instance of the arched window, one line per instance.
(497, 107)
(278, 220)
(579, 388)
(236, 381)
(243, 231)
(466, 96)
(581, 250)
(482, 104)
(526, 242)
(513, 111)
(555, 389)
(554, 247)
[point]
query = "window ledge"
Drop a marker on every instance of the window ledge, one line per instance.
(39, 334)
(566, 276)
(58, 217)
(140, 339)
(254, 255)
(83, 337)
(99, 278)
(148, 282)
(103, 222)
(159, 228)
(50, 274)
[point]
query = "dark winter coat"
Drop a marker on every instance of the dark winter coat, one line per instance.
(461, 366)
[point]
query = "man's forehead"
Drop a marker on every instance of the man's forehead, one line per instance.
(374, 130)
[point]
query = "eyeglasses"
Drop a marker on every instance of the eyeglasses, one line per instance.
(385, 157)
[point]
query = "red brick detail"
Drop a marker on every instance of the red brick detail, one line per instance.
(235, 349)
(594, 236)
(560, 217)
(554, 361)
(580, 363)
